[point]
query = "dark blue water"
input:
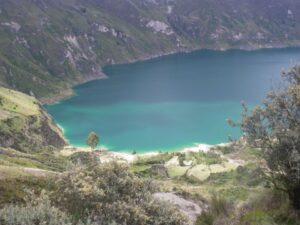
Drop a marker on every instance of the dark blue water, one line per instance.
(172, 101)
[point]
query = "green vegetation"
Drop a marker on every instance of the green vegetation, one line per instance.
(157, 159)
(177, 171)
(25, 126)
(17, 102)
(275, 129)
(92, 140)
(84, 158)
(235, 194)
(219, 208)
(253, 181)
(37, 211)
(14, 183)
(110, 193)
(47, 160)
(200, 158)
(103, 194)
(267, 207)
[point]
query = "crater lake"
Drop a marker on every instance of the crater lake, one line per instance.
(171, 102)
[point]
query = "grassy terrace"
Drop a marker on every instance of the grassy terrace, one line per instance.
(13, 102)
(229, 172)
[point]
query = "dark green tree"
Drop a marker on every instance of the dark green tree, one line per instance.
(92, 140)
(275, 129)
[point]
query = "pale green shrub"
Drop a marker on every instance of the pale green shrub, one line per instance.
(111, 194)
(38, 212)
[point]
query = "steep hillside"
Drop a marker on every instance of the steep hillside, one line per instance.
(25, 126)
(46, 46)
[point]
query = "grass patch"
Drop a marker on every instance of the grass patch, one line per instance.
(44, 160)
(201, 172)
(11, 172)
(269, 207)
(177, 171)
(226, 149)
(13, 189)
(157, 159)
(18, 102)
(200, 158)
(139, 168)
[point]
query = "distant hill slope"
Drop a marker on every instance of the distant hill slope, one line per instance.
(46, 46)
(25, 126)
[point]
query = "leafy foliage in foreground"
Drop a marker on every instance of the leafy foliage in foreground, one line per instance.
(109, 194)
(101, 194)
(267, 208)
(37, 211)
(275, 129)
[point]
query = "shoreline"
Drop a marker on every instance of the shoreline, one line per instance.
(106, 155)
(69, 92)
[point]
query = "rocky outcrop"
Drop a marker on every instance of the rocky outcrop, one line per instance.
(33, 131)
(188, 207)
(31, 134)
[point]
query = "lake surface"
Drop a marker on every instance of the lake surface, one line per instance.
(171, 102)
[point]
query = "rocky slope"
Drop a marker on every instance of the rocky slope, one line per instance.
(46, 46)
(25, 126)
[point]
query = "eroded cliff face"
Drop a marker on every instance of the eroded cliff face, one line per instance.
(25, 126)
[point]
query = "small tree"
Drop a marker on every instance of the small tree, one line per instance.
(92, 140)
(275, 129)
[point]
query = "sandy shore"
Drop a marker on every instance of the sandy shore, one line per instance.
(107, 155)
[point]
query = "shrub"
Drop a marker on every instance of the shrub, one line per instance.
(218, 212)
(275, 129)
(205, 218)
(13, 190)
(269, 207)
(219, 205)
(110, 193)
(38, 211)
(84, 158)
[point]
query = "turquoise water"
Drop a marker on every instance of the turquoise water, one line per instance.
(171, 102)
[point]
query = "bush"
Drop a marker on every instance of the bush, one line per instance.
(275, 129)
(13, 190)
(110, 193)
(269, 207)
(38, 211)
(84, 158)
(218, 212)
(219, 205)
